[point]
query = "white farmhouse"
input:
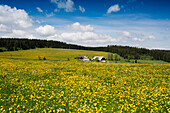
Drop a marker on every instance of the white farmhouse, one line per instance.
(99, 59)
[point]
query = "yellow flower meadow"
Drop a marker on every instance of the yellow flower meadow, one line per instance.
(31, 85)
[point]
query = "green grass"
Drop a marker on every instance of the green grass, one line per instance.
(50, 54)
(152, 61)
(141, 61)
(55, 54)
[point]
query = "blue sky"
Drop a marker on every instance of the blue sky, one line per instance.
(140, 23)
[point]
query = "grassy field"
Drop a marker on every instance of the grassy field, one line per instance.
(50, 54)
(57, 85)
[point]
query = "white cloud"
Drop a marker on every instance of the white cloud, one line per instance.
(51, 14)
(68, 5)
(46, 30)
(3, 28)
(150, 37)
(126, 33)
(123, 36)
(84, 38)
(81, 9)
(39, 9)
(85, 35)
(19, 34)
(144, 38)
(114, 8)
(78, 27)
(138, 39)
(40, 21)
(14, 17)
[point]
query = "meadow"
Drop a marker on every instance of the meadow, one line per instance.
(28, 84)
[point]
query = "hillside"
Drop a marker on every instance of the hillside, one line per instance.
(54, 54)
(8, 44)
(58, 54)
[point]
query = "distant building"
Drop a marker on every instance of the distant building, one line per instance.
(99, 59)
(86, 56)
(86, 59)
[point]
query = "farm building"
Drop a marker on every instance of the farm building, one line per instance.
(86, 59)
(99, 59)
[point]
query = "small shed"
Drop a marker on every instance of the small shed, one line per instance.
(99, 59)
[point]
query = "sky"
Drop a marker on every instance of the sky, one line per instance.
(137, 23)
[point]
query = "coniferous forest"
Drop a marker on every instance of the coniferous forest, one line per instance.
(14, 44)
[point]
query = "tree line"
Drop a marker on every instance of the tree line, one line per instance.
(14, 44)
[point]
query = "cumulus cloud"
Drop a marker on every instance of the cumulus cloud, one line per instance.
(85, 35)
(81, 9)
(12, 21)
(85, 38)
(46, 30)
(19, 34)
(67, 5)
(39, 9)
(14, 17)
(78, 27)
(114, 8)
